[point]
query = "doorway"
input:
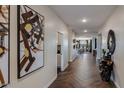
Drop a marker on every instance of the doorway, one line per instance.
(85, 46)
(99, 49)
(59, 51)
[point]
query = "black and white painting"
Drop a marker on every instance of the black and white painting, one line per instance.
(4, 44)
(30, 40)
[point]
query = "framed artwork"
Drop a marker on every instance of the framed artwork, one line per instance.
(111, 42)
(30, 40)
(4, 44)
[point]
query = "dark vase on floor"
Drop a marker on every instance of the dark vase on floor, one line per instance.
(106, 67)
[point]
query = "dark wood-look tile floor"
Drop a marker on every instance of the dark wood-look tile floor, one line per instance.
(82, 73)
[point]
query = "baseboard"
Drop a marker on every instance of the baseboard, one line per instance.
(70, 60)
(64, 67)
(73, 58)
(116, 84)
(51, 81)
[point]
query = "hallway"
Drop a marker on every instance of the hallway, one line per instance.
(35, 40)
(82, 73)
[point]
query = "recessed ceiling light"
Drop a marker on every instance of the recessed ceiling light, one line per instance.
(84, 20)
(85, 30)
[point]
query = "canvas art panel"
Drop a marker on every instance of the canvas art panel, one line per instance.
(4, 44)
(30, 40)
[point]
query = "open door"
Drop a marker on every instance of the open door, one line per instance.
(59, 51)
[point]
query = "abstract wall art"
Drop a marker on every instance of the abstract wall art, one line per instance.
(4, 44)
(30, 40)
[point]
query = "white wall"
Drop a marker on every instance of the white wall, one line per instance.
(99, 46)
(116, 23)
(44, 76)
(72, 52)
(93, 43)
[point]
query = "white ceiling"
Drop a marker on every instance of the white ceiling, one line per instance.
(72, 15)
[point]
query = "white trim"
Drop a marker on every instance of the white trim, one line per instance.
(116, 84)
(73, 58)
(51, 81)
(64, 67)
(70, 60)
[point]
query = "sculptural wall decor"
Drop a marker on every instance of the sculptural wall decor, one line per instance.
(111, 43)
(30, 40)
(4, 44)
(106, 64)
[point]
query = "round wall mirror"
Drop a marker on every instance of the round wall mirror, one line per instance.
(111, 43)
